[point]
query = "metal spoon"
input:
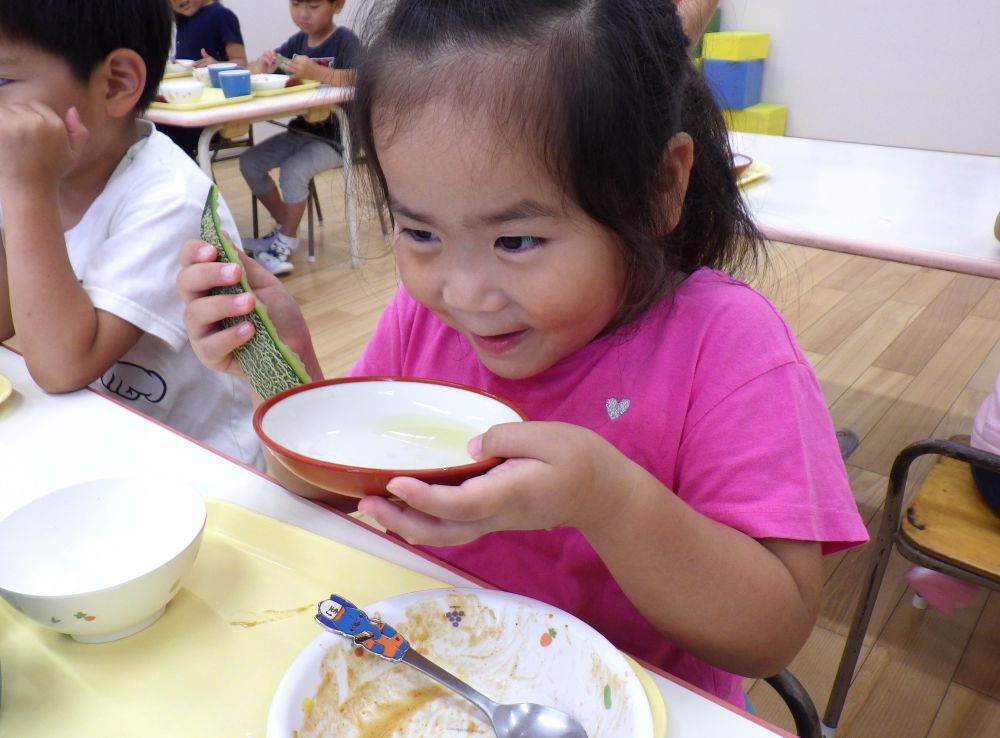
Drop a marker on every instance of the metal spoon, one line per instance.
(521, 720)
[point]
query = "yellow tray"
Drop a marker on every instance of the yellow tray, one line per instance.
(177, 75)
(212, 97)
(210, 665)
(752, 173)
(309, 84)
(5, 388)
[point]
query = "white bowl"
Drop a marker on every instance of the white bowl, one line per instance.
(268, 81)
(179, 65)
(352, 436)
(202, 75)
(182, 90)
(100, 560)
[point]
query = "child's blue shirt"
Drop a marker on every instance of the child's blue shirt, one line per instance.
(211, 28)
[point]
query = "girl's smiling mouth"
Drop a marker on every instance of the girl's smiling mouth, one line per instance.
(499, 343)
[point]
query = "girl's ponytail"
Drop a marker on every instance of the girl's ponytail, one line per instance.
(716, 229)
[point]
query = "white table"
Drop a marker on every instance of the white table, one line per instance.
(930, 208)
(235, 119)
(93, 437)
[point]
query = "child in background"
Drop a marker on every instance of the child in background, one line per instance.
(93, 203)
(986, 436)
(207, 32)
(564, 209)
(306, 149)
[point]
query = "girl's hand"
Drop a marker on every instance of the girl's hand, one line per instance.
(214, 345)
(37, 147)
(556, 474)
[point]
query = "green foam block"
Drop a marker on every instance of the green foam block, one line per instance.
(268, 363)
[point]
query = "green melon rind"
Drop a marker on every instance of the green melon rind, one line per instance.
(268, 363)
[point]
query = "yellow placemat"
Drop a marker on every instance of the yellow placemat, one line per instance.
(210, 665)
(308, 84)
(177, 75)
(212, 97)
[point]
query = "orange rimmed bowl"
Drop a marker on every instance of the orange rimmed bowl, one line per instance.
(353, 435)
(741, 162)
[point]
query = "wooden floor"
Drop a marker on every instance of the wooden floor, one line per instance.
(902, 353)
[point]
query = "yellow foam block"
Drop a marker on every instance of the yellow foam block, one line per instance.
(760, 118)
(735, 45)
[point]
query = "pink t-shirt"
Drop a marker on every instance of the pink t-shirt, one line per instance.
(707, 391)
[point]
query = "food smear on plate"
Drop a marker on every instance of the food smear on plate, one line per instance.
(362, 696)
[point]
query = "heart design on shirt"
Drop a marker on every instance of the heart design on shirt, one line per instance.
(615, 407)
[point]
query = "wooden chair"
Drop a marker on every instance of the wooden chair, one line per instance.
(947, 528)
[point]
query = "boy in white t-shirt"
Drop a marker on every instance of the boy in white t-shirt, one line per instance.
(94, 201)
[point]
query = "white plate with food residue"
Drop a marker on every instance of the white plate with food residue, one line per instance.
(511, 648)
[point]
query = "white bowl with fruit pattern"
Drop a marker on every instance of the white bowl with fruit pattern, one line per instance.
(100, 560)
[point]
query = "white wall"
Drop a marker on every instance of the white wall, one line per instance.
(265, 23)
(914, 73)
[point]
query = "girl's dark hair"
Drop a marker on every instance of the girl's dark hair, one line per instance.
(600, 87)
(84, 32)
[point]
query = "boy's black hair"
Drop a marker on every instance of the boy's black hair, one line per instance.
(84, 32)
(600, 87)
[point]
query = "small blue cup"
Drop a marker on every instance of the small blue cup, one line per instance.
(235, 82)
(214, 69)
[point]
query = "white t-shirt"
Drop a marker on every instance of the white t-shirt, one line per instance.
(124, 251)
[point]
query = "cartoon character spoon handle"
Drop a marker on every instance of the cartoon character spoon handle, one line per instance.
(523, 720)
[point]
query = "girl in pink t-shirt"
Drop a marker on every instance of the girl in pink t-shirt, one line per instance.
(565, 216)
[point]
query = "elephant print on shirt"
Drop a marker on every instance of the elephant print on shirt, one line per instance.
(132, 382)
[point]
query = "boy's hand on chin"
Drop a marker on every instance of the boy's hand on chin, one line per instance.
(36, 145)
(555, 475)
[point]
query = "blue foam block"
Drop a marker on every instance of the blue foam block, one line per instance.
(735, 84)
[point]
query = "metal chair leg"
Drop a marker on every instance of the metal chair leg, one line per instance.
(315, 198)
(253, 211)
(799, 703)
(311, 256)
(879, 560)
(386, 230)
